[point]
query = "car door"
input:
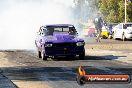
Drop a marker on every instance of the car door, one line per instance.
(118, 31)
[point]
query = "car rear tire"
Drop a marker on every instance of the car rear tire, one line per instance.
(43, 56)
(38, 54)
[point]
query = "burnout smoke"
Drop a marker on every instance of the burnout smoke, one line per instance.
(21, 19)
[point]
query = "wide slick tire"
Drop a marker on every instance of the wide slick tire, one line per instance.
(38, 54)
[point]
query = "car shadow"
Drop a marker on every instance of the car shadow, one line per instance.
(105, 57)
(125, 40)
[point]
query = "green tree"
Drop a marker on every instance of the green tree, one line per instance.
(114, 10)
(129, 12)
(109, 9)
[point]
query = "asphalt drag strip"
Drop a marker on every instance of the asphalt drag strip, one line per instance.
(32, 72)
(59, 77)
(6, 83)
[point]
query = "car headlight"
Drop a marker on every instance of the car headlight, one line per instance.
(80, 43)
(48, 45)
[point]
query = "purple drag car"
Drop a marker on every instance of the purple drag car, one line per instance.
(59, 40)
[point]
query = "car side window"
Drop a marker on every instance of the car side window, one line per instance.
(72, 31)
(44, 31)
(124, 26)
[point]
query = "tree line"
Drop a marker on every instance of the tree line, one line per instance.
(112, 11)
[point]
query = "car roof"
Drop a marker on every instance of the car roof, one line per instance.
(59, 25)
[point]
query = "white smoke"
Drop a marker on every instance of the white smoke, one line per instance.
(21, 19)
